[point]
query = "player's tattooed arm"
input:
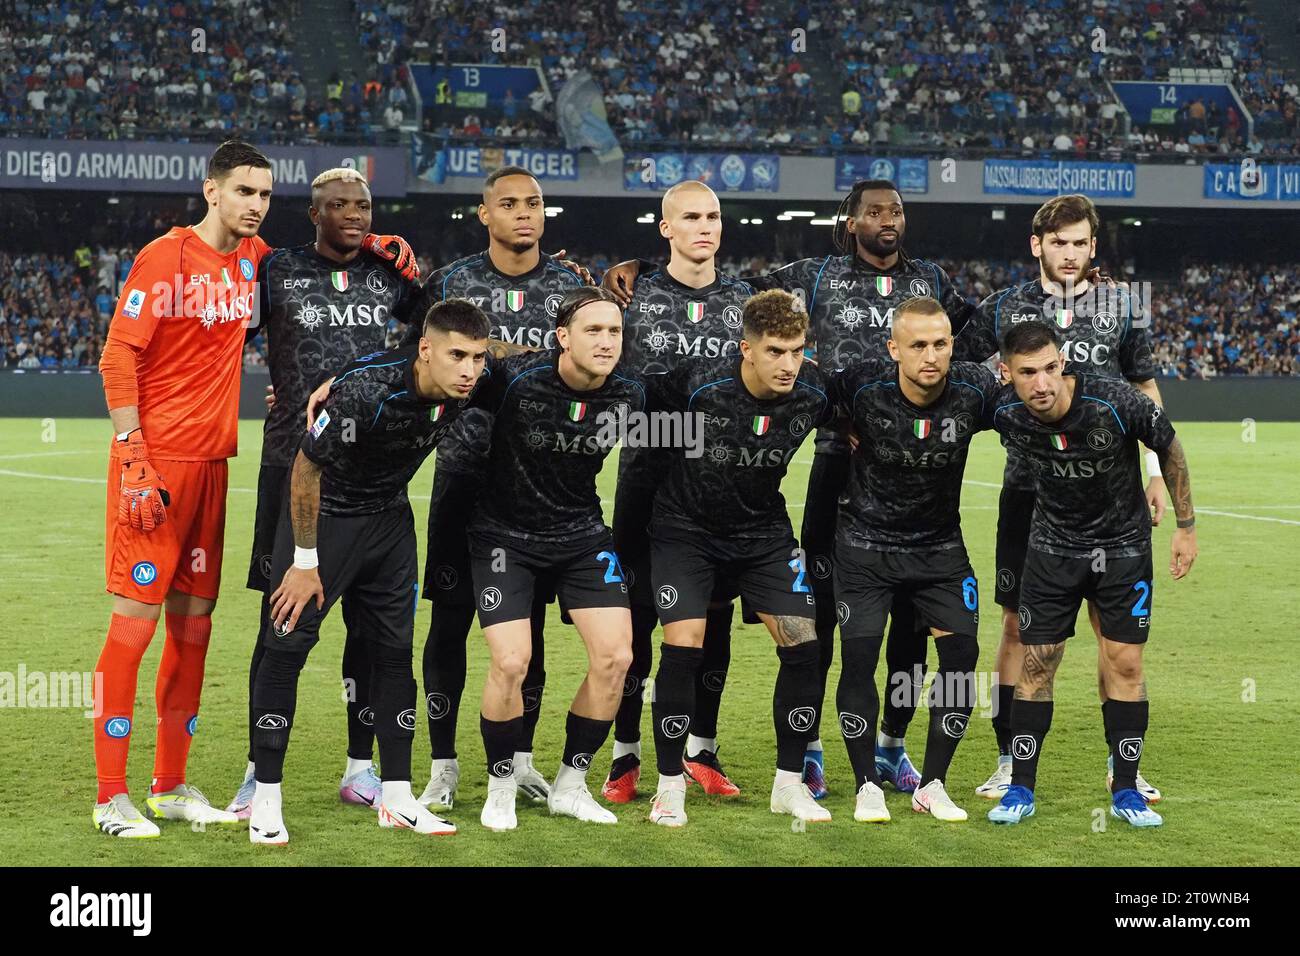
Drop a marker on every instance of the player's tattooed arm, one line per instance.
(304, 500)
(1182, 547)
(1173, 464)
(1039, 671)
(790, 631)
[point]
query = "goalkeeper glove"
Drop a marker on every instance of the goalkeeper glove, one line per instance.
(396, 250)
(144, 496)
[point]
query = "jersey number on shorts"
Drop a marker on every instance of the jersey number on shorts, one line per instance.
(614, 572)
(1141, 607)
(796, 566)
(970, 595)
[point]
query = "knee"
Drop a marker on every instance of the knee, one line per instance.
(609, 667)
(511, 667)
(1125, 666)
(1010, 627)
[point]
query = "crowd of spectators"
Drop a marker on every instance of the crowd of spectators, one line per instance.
(955, 75)
(132, 69)
(1033, 77)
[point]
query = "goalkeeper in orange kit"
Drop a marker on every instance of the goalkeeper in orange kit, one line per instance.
(170, 368)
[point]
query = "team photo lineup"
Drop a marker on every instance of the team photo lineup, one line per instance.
(651, 434)
(515, 521)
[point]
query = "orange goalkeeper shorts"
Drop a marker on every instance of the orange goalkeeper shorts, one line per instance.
(182, 554)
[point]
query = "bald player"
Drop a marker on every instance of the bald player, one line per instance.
(899, 533)
(684, 309)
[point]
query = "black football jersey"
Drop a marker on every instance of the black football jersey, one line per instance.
(851, 306)
(522, 309)
(733, 489)
(667, 322)
(1088, 485)
(1100, 339)
(374, 432)
(905, 480)
(548, 445)
(320, 315)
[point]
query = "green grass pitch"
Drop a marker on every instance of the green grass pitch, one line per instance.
(1221, 664)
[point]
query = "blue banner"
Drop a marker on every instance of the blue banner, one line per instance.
(1250, 180)
(580, 109)
(909, 175)
(1149, 102)
(475, 85)
(142, 166)
(1045, 177)
(723, 172)
(432, 161)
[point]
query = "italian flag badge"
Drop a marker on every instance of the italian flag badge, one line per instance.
(225, 277)
(921, 427)
(1059, 442)
(339, 280)
(514, 300)
(762, 423)
(577, 411)
(435, 413)
(1065, 318)
(695, 311)
(884, 284)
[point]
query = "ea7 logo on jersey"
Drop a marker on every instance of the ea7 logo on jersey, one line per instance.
(1024, 316)
(296, 283)
(531, 407)
(653, 308)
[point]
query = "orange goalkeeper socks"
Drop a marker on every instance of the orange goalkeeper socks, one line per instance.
(119, 665)
(180, 683)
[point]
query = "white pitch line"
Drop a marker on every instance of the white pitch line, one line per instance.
(792, 505)
(1233, 514)
(45, 454)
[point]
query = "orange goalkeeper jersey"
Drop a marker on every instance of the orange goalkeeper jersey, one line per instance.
(186, 307)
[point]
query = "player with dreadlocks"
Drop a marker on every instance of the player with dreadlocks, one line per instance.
(850, 299)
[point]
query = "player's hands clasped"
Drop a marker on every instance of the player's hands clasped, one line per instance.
(143, 499)
(289, 600)
(397, 251)
(1182, 552)
(270, 397)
